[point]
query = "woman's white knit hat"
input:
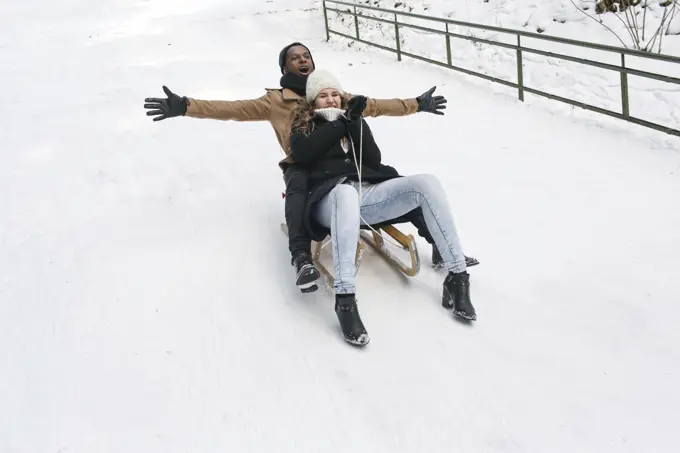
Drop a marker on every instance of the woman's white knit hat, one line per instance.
(320, 80)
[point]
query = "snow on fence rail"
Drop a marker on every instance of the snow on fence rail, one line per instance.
(399, 23)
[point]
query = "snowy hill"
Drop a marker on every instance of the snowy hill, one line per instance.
(146, 298)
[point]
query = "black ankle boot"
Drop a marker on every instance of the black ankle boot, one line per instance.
(437, 262)
(456, 295)
(307, 273)
(350, 322)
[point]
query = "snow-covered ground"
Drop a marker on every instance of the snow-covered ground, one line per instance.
(146, 297)
(575, 19)
(650, 100)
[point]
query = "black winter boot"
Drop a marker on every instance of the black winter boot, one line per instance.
(456, 295)
(438, 263)
(350, 322)
(307, 273)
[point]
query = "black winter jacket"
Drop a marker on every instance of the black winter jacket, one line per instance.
(322, 154)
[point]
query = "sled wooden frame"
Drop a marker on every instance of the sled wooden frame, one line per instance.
(407, 242)
(376, 240)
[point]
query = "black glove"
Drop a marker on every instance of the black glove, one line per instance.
(166, 108)
(355, 108)
(427, 103)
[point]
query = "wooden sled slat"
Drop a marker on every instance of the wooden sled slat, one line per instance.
(316, 257)
(407, 242)
(375, 240)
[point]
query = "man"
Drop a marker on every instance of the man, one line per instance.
(275, 106)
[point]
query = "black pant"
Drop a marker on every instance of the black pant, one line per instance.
(297, 189)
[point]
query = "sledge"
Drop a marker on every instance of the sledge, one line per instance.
(374, 236)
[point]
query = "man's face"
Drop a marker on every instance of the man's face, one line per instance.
(298, 61)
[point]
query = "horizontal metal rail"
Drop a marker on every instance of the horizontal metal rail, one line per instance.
(526, 34)
(623, 70)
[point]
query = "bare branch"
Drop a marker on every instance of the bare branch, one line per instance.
(636, 28)
(659, 30)
(630, 21)
(612, 31)
(663, 22)
(644, 21)
(632, 36)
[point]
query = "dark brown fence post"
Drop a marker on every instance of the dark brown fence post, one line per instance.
(625, 107)
(520, 72)
(356, 22)
(396, 34)
(325, 19)
(448, 45)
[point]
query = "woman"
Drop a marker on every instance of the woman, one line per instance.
(333, 141)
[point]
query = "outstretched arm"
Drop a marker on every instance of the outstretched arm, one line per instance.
(390, 107)
(247, 110)
(402, 107)
(174, 105)
(308, 148)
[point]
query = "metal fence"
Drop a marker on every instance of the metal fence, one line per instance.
(356, 10)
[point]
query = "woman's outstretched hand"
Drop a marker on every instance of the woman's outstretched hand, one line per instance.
(427, 103)
(166, 108)
(355, 108)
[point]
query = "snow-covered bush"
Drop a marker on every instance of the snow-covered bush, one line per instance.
(641, 30)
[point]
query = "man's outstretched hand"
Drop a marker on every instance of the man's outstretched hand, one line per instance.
(166, 108)
(427, 103)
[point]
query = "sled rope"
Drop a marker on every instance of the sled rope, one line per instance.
(359, 167)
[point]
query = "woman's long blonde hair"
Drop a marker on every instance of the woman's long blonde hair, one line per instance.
(303, 113)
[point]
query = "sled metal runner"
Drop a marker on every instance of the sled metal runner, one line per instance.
(376, 240)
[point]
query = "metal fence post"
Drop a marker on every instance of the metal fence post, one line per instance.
(625, 107)
(325, 19)
(520, 73)
(356, 22)
(622, 69)
(448, 45)
(396, 34)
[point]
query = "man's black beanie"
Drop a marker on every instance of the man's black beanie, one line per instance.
(284, 51)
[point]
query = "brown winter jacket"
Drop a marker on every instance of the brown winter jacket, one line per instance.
(276, 106)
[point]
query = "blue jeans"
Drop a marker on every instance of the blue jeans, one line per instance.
(342, 212)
